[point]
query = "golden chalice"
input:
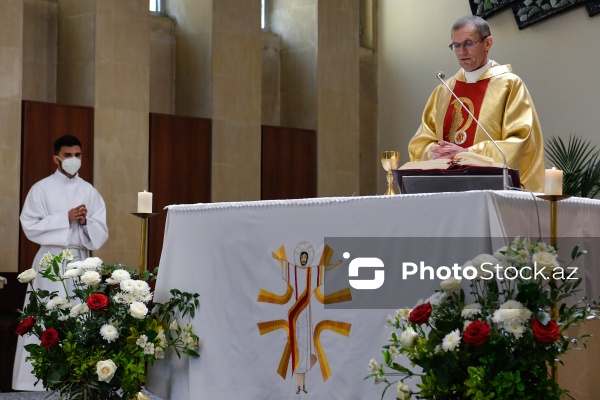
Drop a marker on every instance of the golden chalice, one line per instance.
(390, 161)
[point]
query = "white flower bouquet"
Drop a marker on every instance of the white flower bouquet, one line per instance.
(98, 335)
(500, 343)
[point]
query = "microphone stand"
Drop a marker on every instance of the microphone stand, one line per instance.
(440, 76)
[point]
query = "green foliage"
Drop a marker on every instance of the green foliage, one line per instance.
(580, 162)
(125, 327)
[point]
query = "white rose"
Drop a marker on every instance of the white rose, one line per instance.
(407, 339)
(138, 310)
(450, 285)
(91, 278)
(106, 370)
(544, 260)
(403, 392)
(27, 276)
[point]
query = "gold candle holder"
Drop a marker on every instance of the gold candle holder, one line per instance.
(144, 238)
(390, 160)
(554, 199)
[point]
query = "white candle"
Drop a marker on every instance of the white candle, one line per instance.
(144, 202)
(553, 182)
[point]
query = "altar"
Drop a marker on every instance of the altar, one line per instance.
(267, 323)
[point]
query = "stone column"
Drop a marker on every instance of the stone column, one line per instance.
(236, 99)
(296, 22)
(11, 73)
(338, 111)
(104, 62)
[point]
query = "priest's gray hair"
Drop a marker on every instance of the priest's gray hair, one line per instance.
(481, 24)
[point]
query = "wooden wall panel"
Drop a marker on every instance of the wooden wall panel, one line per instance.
(180, 168)
(289, 163)
(42, 124)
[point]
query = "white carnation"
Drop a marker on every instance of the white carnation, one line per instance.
(78, 310)
(511, 313)
(92, 263)
(127, 285)
(451, 340)
(120, 275)
(72, 273)
(57, 302)
(515, 329)
(109, 333)
(471, 310)
(75, 265)
(437, 298)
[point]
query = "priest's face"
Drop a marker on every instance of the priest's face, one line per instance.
(470, 47)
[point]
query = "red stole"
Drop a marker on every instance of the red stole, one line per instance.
(459, 127)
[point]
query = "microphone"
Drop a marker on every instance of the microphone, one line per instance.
(440, 75)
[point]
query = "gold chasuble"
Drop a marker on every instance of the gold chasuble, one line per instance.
(502, 104)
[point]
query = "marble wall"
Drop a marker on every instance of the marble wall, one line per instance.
(202, 58)
(11, 72)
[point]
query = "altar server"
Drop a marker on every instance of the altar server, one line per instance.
(61, 212)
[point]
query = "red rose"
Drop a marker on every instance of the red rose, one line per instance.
(477, 333)
(545, 333)
(420, 314)
(97, 302)
(49, 338)
(25, 326)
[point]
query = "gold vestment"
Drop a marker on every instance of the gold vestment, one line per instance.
(507, 113)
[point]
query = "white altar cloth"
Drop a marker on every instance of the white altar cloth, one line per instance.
(224, 251)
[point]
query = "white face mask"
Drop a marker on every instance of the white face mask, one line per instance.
(71, 165)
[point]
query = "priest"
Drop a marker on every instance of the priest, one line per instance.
(61, 212)
(495, 96)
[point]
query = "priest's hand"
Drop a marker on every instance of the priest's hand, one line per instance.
(445, 150)
(78, 213)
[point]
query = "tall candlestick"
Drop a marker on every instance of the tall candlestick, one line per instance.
(144, 202)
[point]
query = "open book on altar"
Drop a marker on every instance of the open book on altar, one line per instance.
(466, 171)
(460, 159)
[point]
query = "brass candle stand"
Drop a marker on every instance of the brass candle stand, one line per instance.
(390, 160)
(554, 199)
(144, 238)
